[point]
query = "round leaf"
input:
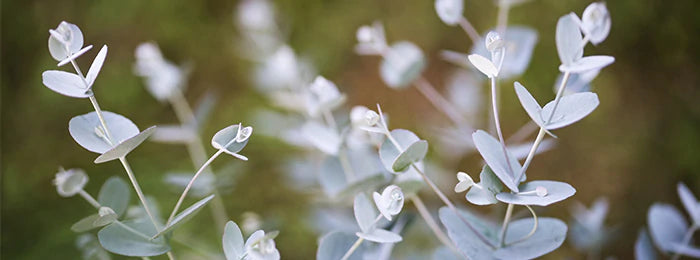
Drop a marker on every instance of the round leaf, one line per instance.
(571, 109)
(233, 242)
(126, 146)
(82, 129)
(492, 152)
(413, 154)
(388, 152)
(132, 240)
(364, 212)
(667, 226)
(115, 193)
(65, 83)
(449, 11)
(556, 191)
(402, 64)
(549, 236)
(225, 139)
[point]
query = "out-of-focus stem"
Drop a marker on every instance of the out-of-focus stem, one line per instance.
(432, 224)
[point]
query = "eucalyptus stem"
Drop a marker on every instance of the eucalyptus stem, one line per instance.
(438, 101)
(139, 193)
(497, 122)
(504, 228)
(469, 29)
(534, 226)
(432, 224)
(198, 154)
(90, 199)
(189, 185)
(686, 239)
(503, 9)
(352, 249)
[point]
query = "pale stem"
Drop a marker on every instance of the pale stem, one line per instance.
(497, 122)
(328, 116)
(90, 199)
(438, 101)
(534, 227)
(345, 164)
(189, 185)
(139, 193)
(686, 239)
(352, 248)
(469, 29)
(503, 9)
(506, 220)
(198, 154)
(432, 224)
(452, 206)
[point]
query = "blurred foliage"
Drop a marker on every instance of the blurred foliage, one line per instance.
(643, 139)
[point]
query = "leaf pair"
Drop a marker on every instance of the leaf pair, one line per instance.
(366, 216)
(570, 109)
(72, 85)
(570, 47)
(410, 150)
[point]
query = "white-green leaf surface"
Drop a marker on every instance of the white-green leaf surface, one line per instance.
(96, 66)
(571, 109)
(82, 129)
(389, 154)
(402, 64)
(667, 226)
(65, 83)
(334, 245)
(225, 139)
(484, 65)
(484, 193)
(125, 147)
(322, 137)
(587, 63)
(556, 191)
(185, 215)
(132, 240)
(380, 236)
(85, 224)
(689, 202)
(569, 39)
(364, 212)
(413, 154)
(115, 193)
(643, 248)
(492, 152)
(233, 242)
(464, 238)
(549, 236)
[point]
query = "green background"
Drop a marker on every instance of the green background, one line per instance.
(641, 141)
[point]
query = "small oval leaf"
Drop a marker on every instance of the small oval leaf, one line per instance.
(132, 240)
(413, 154)
(556, 191)
(380, 236)
(65, 83)
(115, 193)
(125, 147)
(233, 242)
(83, 130)
(549, 235)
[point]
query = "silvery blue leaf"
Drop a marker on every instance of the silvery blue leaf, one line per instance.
(115, 193)
(530, 105)
(388, 152)
(595, 22)
(174, 134)
(413, 154)
(449, 11)
(689, 202)
(90, 247)
(402, 64)
(667, 226)
(380, 236)
(549, 235)
(85, 224)
(364, 212)
(64, 40)
(686, 250)
(466, 241)
(571, 109)
(96, 66)
(334, 245)
(569, 40)
(464, 90)
(65, 83)
(556, 191)
(588, 63)
(324, 138)
(185, 215)
(74, 56)
(484, 65)
(119, 240)
(332, 176)
(492, 152)
(484, 193)
(83, 130)
(643, 249)
(125, 147)
(225, 139)
(233, 242)
(519, 42)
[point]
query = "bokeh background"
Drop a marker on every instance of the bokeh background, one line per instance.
(641, 141)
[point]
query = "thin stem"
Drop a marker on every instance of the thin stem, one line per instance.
(686, 239)
(497, 122)
(506, 220)
(189, 185)
(503, 9)
(139, 193)
(345, 164)
(469, 29)
(438, 101)
(90, 199)
(432, 224)
(353, 248)
(452, 206)
(328, 116)
(534, 227)
(198, 154)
